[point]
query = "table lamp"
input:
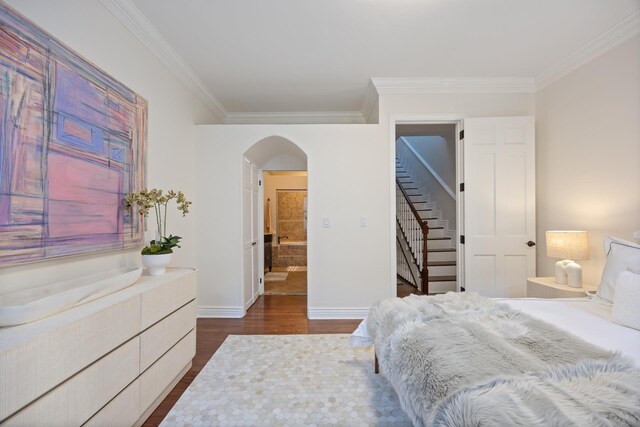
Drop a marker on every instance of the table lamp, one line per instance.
(568, 246)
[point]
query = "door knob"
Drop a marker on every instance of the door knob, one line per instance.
(253, 243)
(531, 243)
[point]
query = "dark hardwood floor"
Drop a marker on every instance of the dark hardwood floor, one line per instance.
(271, 314)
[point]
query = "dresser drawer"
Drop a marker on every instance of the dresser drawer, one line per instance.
(155, 379)
(177, 289)
(76, 400)
(159, 338)
(38, 365)
(123, 410)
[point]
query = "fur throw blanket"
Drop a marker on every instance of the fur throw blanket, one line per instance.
(460, 359)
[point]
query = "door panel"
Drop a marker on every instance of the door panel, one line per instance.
(247, 234)
(256, 234)
(499, 171)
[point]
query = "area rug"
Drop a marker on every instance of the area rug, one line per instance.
(275, 276)
(295, 284)
(288, 380)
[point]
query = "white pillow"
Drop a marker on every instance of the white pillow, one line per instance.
(621, 255)
(626, 301)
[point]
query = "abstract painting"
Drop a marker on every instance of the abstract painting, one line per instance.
(72, 144)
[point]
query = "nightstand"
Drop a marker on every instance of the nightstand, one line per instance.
(546, 287)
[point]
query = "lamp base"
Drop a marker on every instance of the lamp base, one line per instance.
(568, 273)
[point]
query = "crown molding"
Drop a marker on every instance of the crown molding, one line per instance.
(617, 34)
(454, 85)
(370, 101)
(310, 117)
(133, 20)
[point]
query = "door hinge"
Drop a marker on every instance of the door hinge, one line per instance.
(461, 134)
(461, 187)
(259, 182)
(261, 280)
(462, 239)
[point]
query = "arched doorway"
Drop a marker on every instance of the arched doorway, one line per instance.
(263, 230)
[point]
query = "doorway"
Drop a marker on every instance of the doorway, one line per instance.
(426, 207)
(285, 229)
(279, 163)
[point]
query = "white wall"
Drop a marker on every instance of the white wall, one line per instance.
(89, 29)
(281, 181)
(350, 175)
(588, 154)
(348, 266)
(439, 152)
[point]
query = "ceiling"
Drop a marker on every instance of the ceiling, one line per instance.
(304, 56)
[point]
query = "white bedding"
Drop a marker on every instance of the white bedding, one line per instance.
(586, 318)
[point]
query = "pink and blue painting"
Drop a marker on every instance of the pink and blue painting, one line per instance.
(72, 145)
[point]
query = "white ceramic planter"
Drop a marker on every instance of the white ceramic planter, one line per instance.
(157, 264)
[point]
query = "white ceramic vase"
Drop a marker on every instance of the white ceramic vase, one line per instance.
(157, 264)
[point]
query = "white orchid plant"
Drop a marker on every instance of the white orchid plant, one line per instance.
(144, 200)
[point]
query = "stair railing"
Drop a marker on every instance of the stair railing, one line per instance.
(415, 230)
(404, 265)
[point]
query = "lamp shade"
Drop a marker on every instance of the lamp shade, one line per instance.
(571, 245)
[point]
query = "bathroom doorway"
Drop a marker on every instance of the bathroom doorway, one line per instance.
(285, 229)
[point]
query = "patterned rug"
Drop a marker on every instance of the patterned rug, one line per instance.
(288, 380)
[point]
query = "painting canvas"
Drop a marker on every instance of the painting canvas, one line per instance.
(72, 144)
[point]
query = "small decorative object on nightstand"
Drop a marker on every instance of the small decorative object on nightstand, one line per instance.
(546, 287)
(568, 246)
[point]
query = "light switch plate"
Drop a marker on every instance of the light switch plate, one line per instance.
(325, 222)
(363, 221)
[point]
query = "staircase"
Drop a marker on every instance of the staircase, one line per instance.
(432, 272)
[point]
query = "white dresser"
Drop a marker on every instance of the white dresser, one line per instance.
(109, 362)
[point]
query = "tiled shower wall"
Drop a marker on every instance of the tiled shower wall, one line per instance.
(291, 215)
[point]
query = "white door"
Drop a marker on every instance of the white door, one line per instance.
(499, 193)
(256, 232)
(249, 234)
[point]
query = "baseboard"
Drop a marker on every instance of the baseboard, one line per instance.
(338, 313)
(223, 312)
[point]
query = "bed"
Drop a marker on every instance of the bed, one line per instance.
(578, 369)
(460, 359)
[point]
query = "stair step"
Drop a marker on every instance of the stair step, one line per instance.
(436, 233)
(417, 198)
(438, 243)
(428, 216)
(448, 269)
(441, 256)
(440, 263)
(431, 222)
(442, 278)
